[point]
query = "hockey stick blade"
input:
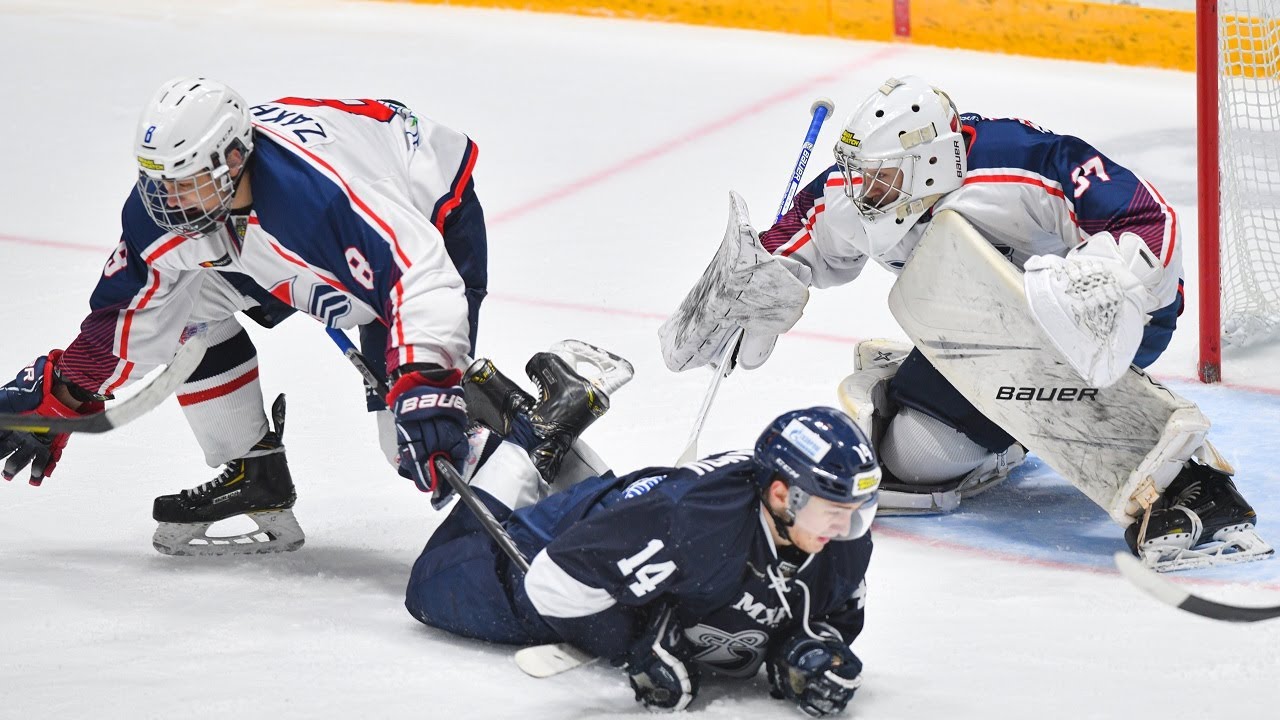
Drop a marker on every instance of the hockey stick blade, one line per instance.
(1170, 593)
(125, 411)
(543, 661)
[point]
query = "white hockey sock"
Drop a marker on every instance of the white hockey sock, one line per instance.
(222, 399)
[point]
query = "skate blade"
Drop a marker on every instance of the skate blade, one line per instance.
(610, 371)
(278, 531)
(1241, 546)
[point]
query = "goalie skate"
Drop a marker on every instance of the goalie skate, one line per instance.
(1201, 520)
(257, 487)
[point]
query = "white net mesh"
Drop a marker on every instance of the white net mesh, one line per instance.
(1249, 146)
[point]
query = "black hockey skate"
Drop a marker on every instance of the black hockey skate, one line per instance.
(568, 404)
(493, 398)
(257, 486)
(1200, 520)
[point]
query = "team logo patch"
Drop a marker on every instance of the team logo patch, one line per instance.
(806, 440)
(240, 223)
(734, 654)
(328, 304)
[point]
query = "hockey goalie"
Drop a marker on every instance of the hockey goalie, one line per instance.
(1036, 277)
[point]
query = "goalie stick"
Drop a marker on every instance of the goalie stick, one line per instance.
(1168, 592)
(184, 362)
(728, 359)
(543, 661)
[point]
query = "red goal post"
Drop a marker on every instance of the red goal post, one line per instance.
(1238, 154)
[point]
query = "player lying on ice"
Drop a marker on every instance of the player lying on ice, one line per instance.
(737, 560)
(1033, 272)
(357, 212)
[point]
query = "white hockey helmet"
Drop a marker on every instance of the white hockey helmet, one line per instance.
(184, 136)
(900, 151)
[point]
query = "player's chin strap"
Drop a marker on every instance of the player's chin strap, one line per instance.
(781, 584)
(781, 523)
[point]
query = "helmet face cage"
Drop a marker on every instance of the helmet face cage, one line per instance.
(877, 185)
(193, 205)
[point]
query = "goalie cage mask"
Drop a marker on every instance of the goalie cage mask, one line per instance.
(899, 152)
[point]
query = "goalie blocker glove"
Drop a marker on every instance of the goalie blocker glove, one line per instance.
(31, 393)
(820, 674)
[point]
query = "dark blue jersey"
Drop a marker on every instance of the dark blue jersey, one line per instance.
(610, 550)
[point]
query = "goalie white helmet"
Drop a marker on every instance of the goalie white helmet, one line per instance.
(193, 139)
(899, 151)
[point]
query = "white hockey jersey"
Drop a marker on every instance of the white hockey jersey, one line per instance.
(349, 203)
(1028, 190)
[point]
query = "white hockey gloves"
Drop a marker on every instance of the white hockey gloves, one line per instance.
(744, 286)
(1093, 304)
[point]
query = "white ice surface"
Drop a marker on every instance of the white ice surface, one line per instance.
(607, 152)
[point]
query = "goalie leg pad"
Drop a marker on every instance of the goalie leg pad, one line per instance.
(903, 499)
(865, 396)
(964, 306)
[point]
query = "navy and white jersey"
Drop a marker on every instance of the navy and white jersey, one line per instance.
(610, 550)
(349, 203)
(1027, 190)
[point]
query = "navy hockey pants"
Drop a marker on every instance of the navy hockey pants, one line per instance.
(919, 385)
(464, 584)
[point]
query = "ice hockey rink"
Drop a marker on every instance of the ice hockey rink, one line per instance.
(607, 152)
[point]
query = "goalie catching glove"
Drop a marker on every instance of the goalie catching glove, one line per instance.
(31, 393)
(744, 286)
(1093, 304)
(819, 674)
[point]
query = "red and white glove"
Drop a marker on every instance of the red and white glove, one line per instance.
(31, 393)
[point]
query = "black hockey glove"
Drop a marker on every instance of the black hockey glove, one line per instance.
(431, 421)
(819, 675)
(656, 666)
(30, 394)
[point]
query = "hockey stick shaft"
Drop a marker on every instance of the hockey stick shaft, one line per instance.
(481, 511)
(362, 366)
(1169, 593)
(442, 466)
(819, 111)
(536, 661)
(184, 362)
(727, 361)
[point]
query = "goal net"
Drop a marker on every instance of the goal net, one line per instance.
(1248, 115)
